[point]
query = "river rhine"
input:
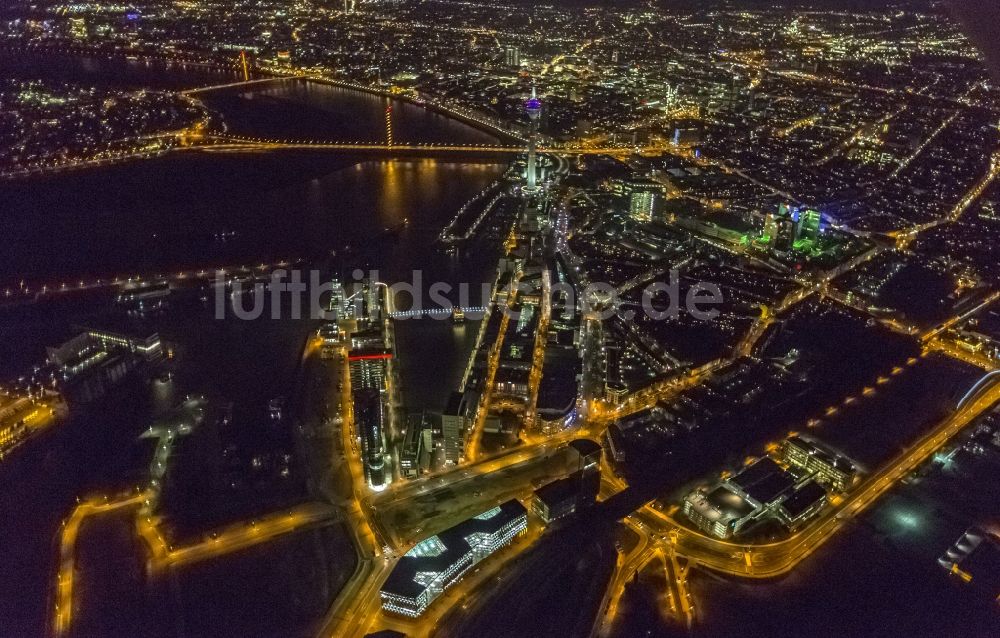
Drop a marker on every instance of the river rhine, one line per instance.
(196, 209)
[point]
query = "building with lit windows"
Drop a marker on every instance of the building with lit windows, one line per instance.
(453, 426)
(369, 368)
(770, 228)
(148, 348)
(756, 492)
(330, 333)
(338, 301)
(369, 419)
(12, 436)
(512, 57)
(417, 446)
(564, 496)
(94, 361)
(369, 371)
(825, 466)
(646, 197)
(802, 504)
(720, 511)
(807, 225)
(643, 204)
(78, 28)
(436, 563)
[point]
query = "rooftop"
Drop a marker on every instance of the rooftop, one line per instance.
(764, 481)
(721, 504)
(437, 553)
(803, 498)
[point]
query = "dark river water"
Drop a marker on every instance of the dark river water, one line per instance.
(197, 209)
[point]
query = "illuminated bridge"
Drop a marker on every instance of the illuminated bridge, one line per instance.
(437, 313)
(233, 143)
(242, 83)
(228, 142)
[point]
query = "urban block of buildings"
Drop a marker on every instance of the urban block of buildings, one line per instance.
(436, 563)
(761, 490)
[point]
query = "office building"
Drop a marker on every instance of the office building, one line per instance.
(802, 504)
(93, 362)
(585, 455)
(720, 511)
(564, 496)
(825, 466)
(369, 368)
(330, 333)
(337, 306)
(367, 302)
(512, 57)
(425, 453)
(807, 225)
(686, 137)
(781, 229)
(436, 563)
(454, 422)
(415, 451)
(533, 108)
(369, 419)
(723, 227)
(754, 493)
(368, 338)
(643, 205)
(78, 28)
(646, 197)
(770, 233)
(762, 483)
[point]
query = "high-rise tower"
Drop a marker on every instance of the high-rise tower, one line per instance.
(534, 109)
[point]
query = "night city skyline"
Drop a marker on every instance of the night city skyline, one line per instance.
(433, 318)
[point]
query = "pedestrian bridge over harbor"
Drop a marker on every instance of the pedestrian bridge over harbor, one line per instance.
(438, 313)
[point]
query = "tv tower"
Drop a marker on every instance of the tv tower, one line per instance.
(534, 110)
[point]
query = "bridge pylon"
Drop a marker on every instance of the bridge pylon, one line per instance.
(388, 126)
(246, 67)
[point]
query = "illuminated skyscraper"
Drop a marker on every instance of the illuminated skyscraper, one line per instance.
(369, 419)
(338, 301)
(782, 230)
(512, 57)
(770, 229)
(808, 225)
(369, 371)
(453, 426)
(534, 109)
(643, 203)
